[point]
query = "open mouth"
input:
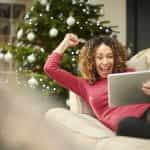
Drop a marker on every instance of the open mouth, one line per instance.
(105, 70)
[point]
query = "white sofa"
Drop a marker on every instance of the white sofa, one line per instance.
(85, 131)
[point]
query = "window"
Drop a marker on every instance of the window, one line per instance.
(10, 15)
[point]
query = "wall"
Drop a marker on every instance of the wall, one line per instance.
(115, 11)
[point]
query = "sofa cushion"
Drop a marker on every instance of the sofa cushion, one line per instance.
(81, 123)
(141, 61)
(123, 143)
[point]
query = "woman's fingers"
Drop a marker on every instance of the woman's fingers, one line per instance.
(146, 90)
(146, 85)
(72, 39)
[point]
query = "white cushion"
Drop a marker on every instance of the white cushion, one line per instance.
(141, 61)
(81, 123)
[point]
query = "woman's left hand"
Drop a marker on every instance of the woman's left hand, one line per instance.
(146, 88)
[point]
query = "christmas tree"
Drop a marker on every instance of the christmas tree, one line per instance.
(45, 25)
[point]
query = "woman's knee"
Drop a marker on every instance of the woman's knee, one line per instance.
(126, 125)
(134, 127)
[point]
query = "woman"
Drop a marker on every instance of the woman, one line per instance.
(99, 57)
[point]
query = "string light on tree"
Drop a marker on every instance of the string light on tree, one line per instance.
(43, 2)
(41, 14)
(1, 56)
(35, 24)
(19, 44)
(84, 10)
(61, 16)
(108, 30)
(95, 10)
(81, 28)
(72, 52)
(31, 58)
(43, 85)
(8, 57)
(70, 21)
(31, 36)
(41, 79)
(30, 22)
(37, 47)
(98, 23)
(87, 12)
(51, 18)
(81, 4)
(25, 63)
(20, 69)
(73, 59)
(20, 34)
(54, 89)
(38, 67)
(53, 32)
(42, 50)
(27, 16)
(47, 87)
(32, 82)
(101, 27)
(32, 8)
(74, 2)
(77, 51)
(48, 7)
(77, 22)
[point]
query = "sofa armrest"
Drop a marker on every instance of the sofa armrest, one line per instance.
(78, 105)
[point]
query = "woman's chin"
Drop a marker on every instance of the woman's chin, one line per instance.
(104, 76)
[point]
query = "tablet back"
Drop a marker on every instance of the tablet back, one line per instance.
(125, 88)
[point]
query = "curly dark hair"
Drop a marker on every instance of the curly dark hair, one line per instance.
(87, 65)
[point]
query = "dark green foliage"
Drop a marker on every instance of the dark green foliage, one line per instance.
(40, 20)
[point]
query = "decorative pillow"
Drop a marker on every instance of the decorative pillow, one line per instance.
(140, 61)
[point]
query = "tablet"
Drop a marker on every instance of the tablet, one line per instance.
(125, 88)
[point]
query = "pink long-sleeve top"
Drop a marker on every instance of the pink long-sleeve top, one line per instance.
(95, 95)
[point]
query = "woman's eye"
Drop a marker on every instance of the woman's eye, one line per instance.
(110, 56)
(99, 57)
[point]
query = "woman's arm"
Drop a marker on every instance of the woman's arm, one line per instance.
(64, 78)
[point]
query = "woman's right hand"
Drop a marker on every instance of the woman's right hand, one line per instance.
(70, 40)
(146, 88)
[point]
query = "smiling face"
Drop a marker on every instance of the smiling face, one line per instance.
(104, 60)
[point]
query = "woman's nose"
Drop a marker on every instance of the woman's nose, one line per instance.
(105, 61)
